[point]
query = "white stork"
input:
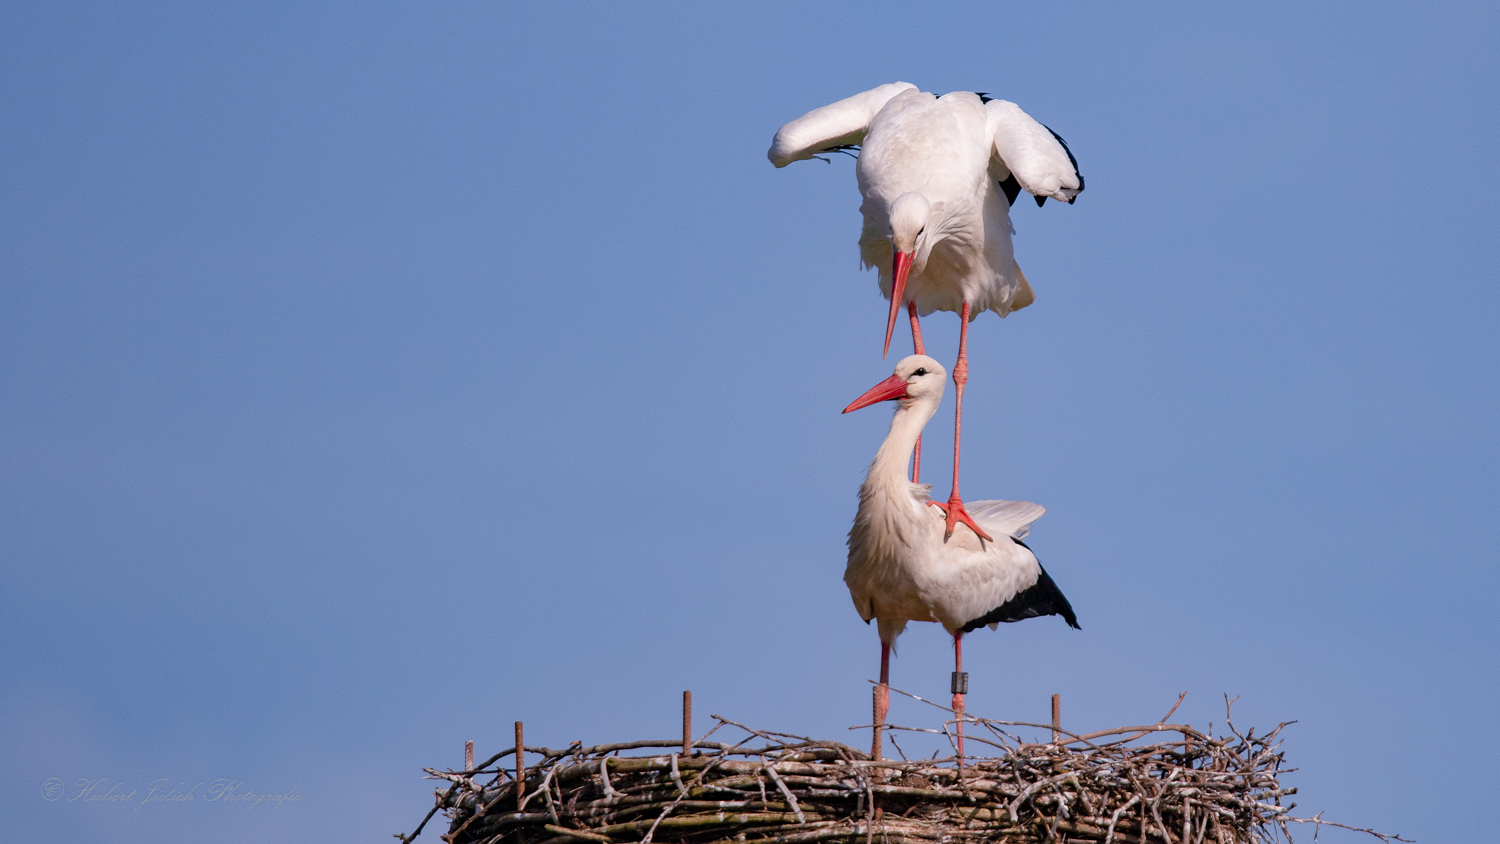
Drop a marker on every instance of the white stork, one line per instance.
(938, 176)
(903, 568)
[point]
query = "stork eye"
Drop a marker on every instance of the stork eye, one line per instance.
(921, 371)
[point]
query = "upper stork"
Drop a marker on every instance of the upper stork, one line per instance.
(938, 176)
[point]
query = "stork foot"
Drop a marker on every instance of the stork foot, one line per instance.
(956, 513)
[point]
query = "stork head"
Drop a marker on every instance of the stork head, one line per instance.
(909, 215)
(917, 378)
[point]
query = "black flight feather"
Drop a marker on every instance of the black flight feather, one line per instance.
(850, 150)
(1011, 187)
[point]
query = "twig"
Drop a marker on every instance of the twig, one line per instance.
(792, 801)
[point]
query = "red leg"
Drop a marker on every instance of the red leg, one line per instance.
(955, 507)
(882, 699)
(916, 329)
(916, 342)
(958, 696)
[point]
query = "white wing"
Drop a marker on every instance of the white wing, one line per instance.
(840, 123)
(1005, 518)
(1033, 155)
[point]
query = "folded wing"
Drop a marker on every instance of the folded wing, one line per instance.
(1032, 154)
(1041, 598)
(836, 125)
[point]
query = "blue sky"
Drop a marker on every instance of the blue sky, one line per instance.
(375, 375)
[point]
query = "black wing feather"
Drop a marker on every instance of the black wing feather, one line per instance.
(1012, 188)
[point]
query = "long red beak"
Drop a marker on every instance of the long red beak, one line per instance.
(893, 387)
(901, 262)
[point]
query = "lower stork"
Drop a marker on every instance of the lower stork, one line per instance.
(902, 569)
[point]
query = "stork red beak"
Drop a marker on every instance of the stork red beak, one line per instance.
(901, 264)
(893, 387)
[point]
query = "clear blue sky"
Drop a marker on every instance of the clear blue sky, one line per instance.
(374, 375)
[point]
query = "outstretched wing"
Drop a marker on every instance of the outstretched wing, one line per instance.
(1005, 518)
(840, 124)
(1033, 155)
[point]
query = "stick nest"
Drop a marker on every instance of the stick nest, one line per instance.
(775, 788)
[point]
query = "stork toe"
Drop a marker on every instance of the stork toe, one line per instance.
(956, 513)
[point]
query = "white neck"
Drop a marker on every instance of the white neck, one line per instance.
(889, 468)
